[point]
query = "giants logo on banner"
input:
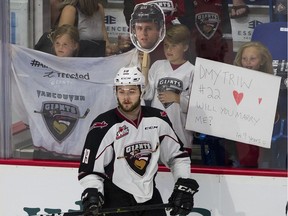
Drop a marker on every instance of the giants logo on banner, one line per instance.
(60, 118)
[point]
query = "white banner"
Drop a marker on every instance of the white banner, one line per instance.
(233, 102)
(61, 96)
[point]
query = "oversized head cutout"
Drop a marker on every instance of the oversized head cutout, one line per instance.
(147, 26)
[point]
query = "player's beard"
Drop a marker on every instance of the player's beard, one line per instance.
(132, 108)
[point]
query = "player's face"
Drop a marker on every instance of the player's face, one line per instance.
(251, 58)
(175, 53)
(128, 97)
(64, 46)
(147, 34)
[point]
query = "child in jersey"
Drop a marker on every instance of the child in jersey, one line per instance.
(169, 81)
(66, 41)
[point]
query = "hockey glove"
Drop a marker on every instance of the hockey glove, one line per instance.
(182, 196)
(92, 201)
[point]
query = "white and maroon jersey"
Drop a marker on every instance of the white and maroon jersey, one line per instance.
(127, 152)
(162, 77)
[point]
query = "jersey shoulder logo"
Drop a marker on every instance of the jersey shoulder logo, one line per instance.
(207, 23)
(99, 125)
(163, 114)
(138, 156)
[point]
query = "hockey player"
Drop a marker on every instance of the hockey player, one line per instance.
(120, 157)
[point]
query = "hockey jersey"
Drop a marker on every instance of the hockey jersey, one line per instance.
(127, 152)
(212, 28)
(162, 77)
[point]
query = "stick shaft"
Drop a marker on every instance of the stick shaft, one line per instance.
(108, 211)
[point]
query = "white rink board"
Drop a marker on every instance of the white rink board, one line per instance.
(222, 195)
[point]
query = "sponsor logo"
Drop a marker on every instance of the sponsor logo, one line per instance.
(151, 127)
(51, 74)
(55, 211)
(110, 19)
(252, 24)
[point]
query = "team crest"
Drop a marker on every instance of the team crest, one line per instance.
(60, 119)
(207, 23)
(122, 131)
(138, 156)
(169, 84)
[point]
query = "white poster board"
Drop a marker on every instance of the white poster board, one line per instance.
(233, 102)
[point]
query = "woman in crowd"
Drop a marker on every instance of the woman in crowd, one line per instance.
(88, 16)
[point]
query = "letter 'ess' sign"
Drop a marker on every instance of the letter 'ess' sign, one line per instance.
(233, 102)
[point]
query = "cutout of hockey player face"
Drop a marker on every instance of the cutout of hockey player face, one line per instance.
(147, 28)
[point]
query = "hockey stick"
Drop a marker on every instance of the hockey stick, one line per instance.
(72, 115)
(107, 211)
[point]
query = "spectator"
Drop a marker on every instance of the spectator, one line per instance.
(280, 11)
(169, 81)
(55, 11)
(239, 9)
(66, 41)
(120, 157)
(211, 31)
(88, 16)
(254, 56)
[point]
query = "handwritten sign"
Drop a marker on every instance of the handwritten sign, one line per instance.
(233, 102)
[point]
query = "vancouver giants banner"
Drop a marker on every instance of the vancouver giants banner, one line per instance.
(59, 97)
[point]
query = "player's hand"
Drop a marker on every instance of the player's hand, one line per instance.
(182, 196)
(92, 201)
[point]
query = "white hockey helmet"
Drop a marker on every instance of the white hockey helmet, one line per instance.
(129, 76)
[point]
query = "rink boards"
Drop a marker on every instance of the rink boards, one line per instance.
(29, 189)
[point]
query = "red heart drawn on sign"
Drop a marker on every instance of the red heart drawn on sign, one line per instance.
(259, 100)
(237, 96)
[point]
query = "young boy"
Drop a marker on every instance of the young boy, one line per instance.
(169, 81)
